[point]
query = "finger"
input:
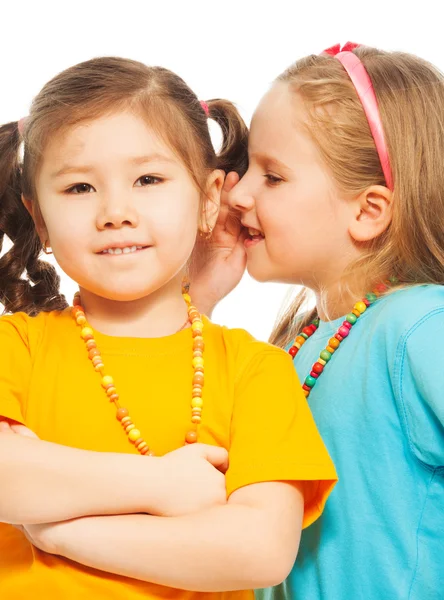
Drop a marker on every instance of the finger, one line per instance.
(218, 457)
(230, 181)
(5, 427)
(22, 430)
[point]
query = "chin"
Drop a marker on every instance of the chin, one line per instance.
(259, 274)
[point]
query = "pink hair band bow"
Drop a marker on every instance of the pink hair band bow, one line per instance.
(366, 93)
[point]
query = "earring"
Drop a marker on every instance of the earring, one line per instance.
(206, 234)
(47, 248)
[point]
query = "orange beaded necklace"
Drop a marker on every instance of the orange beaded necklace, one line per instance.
(122, 414)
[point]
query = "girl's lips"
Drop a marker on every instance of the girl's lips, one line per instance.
(253, 241)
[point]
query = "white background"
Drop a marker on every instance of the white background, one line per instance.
(222, 49)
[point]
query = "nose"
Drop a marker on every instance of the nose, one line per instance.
(117, 211)
(240, 198)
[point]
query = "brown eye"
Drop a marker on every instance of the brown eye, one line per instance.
(81, 188)
(146, 180)
(272, 180)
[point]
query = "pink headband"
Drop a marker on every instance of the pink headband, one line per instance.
(364, 88)
(204, 105)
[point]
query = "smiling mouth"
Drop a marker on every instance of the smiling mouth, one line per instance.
(125, 250)
(254, 237)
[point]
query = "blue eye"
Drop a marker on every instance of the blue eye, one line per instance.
(80, 188)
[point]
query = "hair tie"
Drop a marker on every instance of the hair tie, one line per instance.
(204, 105)
(366, 94)
(21, 123)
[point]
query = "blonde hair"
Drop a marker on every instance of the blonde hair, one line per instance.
(410, 95)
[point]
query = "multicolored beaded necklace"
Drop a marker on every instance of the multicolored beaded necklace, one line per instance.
(334, 342)
(109, 387)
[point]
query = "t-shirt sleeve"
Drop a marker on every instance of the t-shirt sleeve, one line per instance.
(273, 434)
(15, 366)
(419, 387)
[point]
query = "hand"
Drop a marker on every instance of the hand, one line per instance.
(190, 479)
(218, 264)
(8, 426)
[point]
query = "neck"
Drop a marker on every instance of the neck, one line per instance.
(159, 314)
(338, 298)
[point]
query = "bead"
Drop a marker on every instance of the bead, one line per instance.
(198, 343)
(142, 446)
(198, 379)
(338, 337)
(300, 340)
(356, 312)
(197, 362)
(191, 437)
(111, 391)
(196, 420)
(126, 421)
(91, 344)
(313, 327)
(97, 360)
(381, 288)
(308, 331)
(351, 318)
(99, 367)
(317, 368)
(144, 451)
(76, 300)
(304, 335)
(130, 427)
(80, 319)
(93, 352)
(122, 413)
(314, 374)
(330, 349)
(310, 381)
(139, 442)
(197, 392)
(334, 343)
(306, 393)
(347, 324)
(197, 326)
(197, 354)
(114, 397)
(187, 298)
(343, 331)
(360, 307)
(305, 387)
(325, 355)
(371, 297)
(297, 345)
(322, 362)
(134, 435)
(196, 403)
(107, 380)
(293, 351)
(87, 333)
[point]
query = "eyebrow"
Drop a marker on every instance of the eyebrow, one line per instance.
(264, 159)
(135, 161)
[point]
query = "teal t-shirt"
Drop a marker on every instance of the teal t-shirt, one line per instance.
(379, 406)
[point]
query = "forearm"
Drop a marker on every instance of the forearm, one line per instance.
(225, 548)
(44, 482)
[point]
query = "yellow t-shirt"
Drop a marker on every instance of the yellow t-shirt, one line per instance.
(253, 406)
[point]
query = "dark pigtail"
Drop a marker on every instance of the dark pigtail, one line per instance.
(40, 291)
(233, 155)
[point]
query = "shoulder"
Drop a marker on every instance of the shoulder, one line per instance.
(30, 329)
(407, 307)
(243, 349)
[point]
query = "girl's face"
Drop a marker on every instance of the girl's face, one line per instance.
(289, 197)
(120, 209)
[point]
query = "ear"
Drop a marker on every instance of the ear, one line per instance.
(372, 213)
(37, 218)
(211, 201)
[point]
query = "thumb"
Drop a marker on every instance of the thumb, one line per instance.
(218, 457)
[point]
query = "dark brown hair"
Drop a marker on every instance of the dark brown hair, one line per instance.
(82, 93)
